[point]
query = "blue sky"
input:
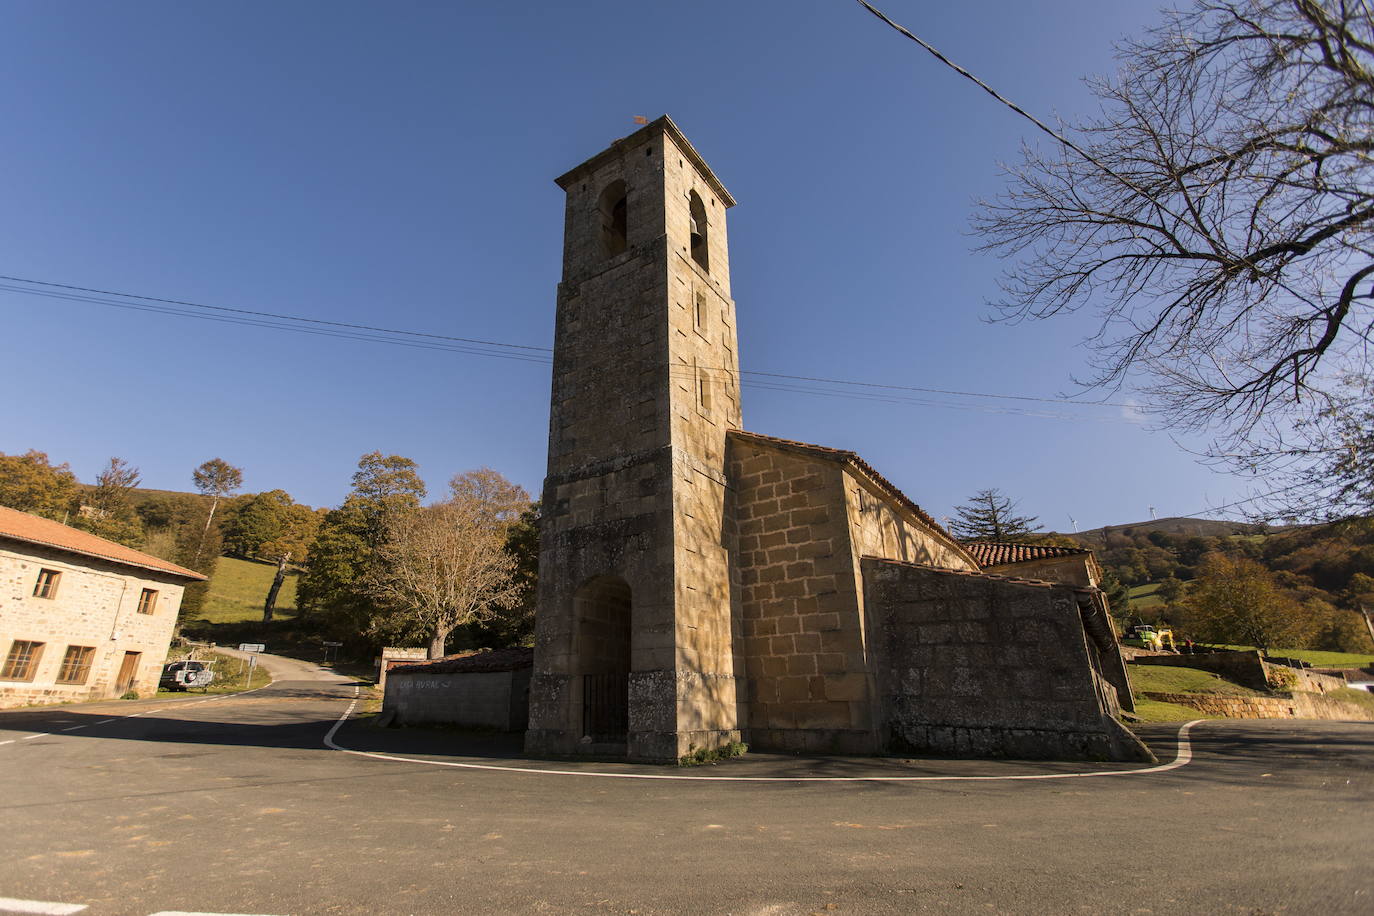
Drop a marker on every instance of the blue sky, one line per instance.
(392, 164)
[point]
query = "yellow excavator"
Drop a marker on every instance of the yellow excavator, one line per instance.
(1149, 637)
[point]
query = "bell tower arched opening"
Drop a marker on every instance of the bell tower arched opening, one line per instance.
(614, 218)
(700, 231)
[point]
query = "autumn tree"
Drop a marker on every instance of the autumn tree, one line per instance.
(1237, 601)
(446, 565)
(1217, 218)
(991, 516)
(29, 483)
(216, 479)
(108, 510)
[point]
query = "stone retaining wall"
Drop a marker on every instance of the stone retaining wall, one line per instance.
(469, 699)
(1298, 706)
(1249, 669)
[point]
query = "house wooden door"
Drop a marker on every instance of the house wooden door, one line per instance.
(128, 670)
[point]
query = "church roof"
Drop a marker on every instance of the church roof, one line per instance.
(30, 529)
(851, 459)
(995, 553)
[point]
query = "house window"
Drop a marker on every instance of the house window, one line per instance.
(76, 665)
(22, 662)
(700, 231)
(147, 602)
(47, 583)
(614, 218)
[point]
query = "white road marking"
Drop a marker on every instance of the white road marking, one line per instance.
(42, 907)
(1182, 757)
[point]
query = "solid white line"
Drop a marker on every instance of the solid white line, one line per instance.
(1182, 757)
(42, 907)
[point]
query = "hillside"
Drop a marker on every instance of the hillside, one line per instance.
(239, 587)
(1097, 538)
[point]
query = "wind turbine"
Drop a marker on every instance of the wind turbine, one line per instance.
(1073, 521)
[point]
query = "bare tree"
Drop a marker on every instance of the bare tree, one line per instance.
(446, 565)
(1218, 216)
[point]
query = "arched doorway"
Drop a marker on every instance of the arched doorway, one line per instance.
(601, 615)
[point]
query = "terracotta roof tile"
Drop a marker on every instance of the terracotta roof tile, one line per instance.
(30, 529)
(994, 553)
(995, 577)
(844, 456)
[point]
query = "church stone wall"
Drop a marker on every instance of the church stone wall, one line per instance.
(802, 639)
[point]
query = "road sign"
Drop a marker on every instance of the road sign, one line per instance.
(332, 645)
(252, 647)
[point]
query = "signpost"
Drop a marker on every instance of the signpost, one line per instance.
(252, 648)
(331, 648)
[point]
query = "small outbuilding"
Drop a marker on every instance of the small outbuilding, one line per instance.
(81, 618)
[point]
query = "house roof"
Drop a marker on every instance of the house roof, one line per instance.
(995, 553)
(30, 529)
(852, 460)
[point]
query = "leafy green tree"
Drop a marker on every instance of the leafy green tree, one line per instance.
(1118, 595)
(1237, 601)
(1171, 590)
(991, 516)
(257, 520)
(515, 625)
(30, 484)
(343, 552)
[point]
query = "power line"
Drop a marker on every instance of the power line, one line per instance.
(321, 321)
(1088, 157)
(774, 381)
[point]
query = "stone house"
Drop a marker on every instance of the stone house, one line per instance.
(81, 618)
(700, 584)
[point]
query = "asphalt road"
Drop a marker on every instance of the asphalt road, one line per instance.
(237, 805)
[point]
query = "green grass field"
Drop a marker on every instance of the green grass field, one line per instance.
(239, 587)
(1167, 679)
(1319, 658)
(1143, 596)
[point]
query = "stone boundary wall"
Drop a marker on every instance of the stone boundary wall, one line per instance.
(469, 699)
(1298, 706)
(1247, 668)
(980, 666)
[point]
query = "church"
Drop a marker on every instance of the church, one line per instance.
(700, 584)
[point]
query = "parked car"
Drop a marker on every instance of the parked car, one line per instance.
(186, 673)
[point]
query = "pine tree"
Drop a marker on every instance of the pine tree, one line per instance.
(991, 516)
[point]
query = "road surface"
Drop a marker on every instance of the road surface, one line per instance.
(237, 805)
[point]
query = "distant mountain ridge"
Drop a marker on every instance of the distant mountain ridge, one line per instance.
(1188, 527)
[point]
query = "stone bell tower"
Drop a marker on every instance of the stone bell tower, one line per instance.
(634, 636)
